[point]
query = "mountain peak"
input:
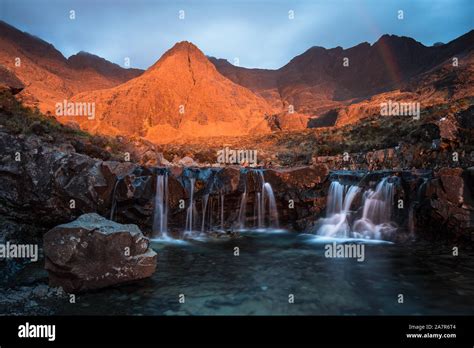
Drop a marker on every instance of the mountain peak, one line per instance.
(184, 44)
(182, 53)
(388, 39)
(184, 47)
(30, 43)
(86, 54)
(182, 79)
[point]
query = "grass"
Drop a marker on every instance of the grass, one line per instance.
(20, 119)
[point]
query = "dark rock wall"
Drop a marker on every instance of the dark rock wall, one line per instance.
(50, 185)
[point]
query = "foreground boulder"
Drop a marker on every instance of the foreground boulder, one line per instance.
(93, 252)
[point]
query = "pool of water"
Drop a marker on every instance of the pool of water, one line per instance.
(273, 265)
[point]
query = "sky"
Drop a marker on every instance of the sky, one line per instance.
(252, 33)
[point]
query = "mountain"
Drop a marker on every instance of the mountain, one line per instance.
(187, 95)
(84, 60)
(441, 85)
(317, 81)
(181, 96)
(47, 75)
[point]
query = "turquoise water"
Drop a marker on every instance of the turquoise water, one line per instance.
(274, 265)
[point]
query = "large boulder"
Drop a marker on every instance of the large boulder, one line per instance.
(93, 252)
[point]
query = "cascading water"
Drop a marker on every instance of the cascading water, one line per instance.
(205, 199)
(243, 210)
(207, 208)
(272, 207)
(211, 210)
(335, 198)
(266, 195)
(340, 199)
(258, 210)
(221, 202)
(160, 216)
(376, 211)
(191, 208)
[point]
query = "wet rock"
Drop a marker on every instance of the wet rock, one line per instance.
(46, 184)
(453, 184)
(93, 252)
(228, 179)
(300, 193)
(296, 178)
(447, 205)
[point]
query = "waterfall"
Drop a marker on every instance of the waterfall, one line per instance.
(378, 203)
(204, 207)
(222, 210)
(191, 208)
(375, 221)
(335, 197)
(211, 209)
(160, 214)
(349, 198)
(340, 200)
(208, 207)
(258, 204)
(377, 211)
(272, 207)
(262, 198)
(243, 210)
